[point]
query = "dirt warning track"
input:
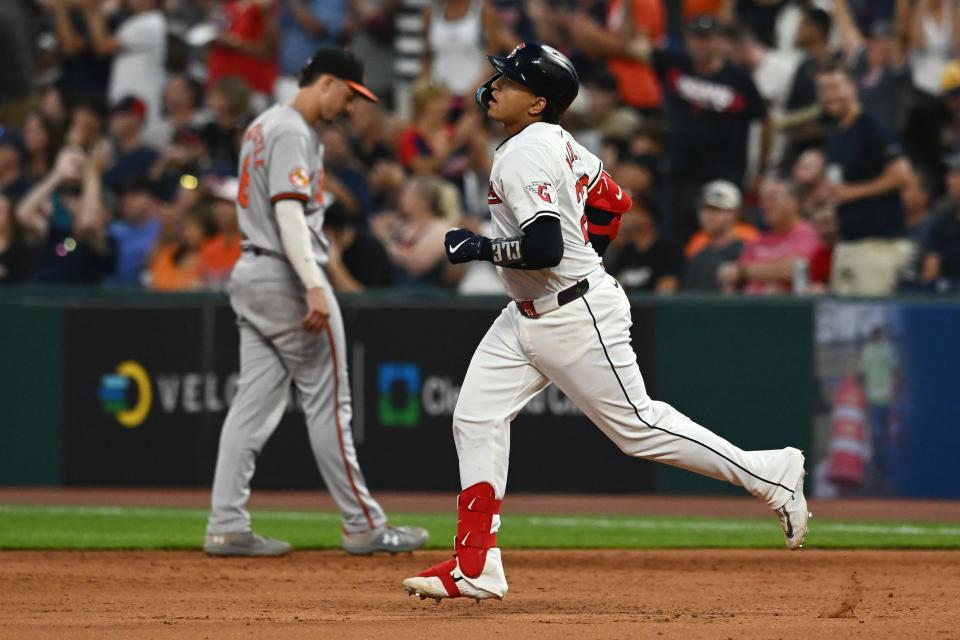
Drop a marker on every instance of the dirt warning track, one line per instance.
(554, 594)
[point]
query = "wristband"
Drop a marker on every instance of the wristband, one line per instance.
(506, 252)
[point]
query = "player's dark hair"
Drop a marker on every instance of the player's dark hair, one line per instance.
(550, 114)
(645, 201)
(834, 65)
(820, 19)
(308, 75)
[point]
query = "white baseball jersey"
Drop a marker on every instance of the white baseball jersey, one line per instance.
(281, 158)
(542, 171)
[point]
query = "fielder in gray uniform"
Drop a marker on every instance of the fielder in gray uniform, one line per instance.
(291, 330)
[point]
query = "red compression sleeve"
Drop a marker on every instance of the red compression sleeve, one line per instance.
(607, 195)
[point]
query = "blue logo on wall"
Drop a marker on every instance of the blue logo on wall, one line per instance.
(399, 387)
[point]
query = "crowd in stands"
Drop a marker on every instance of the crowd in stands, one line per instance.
(770, 146)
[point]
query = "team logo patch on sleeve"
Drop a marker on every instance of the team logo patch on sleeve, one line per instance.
(492, 197)
(544, 191)
(300, 178)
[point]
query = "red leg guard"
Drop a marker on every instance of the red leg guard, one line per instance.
(476, 507)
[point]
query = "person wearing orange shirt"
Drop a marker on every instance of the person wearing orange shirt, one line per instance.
(218, 254)
(626, 19)
(637, 81)
(716, 8)
(742, 231)
(176, 265)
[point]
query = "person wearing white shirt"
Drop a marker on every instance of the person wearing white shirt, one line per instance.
(139, 50)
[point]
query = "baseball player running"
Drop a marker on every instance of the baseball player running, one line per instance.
(553, 206)
(291, 330)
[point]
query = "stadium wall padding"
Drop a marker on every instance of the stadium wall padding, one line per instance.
(30, 384)
(743, 369)
(131, 390)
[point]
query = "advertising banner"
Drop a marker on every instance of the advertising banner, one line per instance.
(140, 397)
(145, 392)
(408, 365)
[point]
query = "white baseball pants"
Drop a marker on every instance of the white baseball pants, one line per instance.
(584, 348)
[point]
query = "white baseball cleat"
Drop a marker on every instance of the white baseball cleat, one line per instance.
(444, 581)
(793, 514)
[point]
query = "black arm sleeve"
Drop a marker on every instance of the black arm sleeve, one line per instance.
(539, 247)
(599, 241)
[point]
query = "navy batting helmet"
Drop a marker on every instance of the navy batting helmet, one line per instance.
(540, 68)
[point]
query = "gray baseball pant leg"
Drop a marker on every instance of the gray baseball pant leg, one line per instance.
(316, 365)
(262, 392)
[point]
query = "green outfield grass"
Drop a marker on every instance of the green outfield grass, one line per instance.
(51, 527)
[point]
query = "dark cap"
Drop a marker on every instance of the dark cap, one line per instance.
(12, 138)
(952, 161)
(819, 18)
(338, 63)
(141, 184)
(602, 81)
(881, 29)
(704, 25)
(336, 217)
(645, 201)
(130, 104)
(187, 135)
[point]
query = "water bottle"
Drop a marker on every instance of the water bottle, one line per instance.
(835, 174)
(801, 277)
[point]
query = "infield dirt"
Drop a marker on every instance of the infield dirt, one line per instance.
(713, 594)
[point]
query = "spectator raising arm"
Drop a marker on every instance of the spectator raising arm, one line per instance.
(496, 37)
(104, 43)
(264, 48)
(35, 209)
(850, 37)
(70, 43)
(91, 224)
(766, 147)
(903, 17)
(628, 41)
(311, 24)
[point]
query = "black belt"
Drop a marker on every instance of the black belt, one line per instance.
(260, 251)
(566, 296)
(573, 292)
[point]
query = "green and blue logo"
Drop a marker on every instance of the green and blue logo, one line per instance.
(399, 386)
(127, 394)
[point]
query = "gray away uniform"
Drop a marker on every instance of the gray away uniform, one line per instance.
(281, 159)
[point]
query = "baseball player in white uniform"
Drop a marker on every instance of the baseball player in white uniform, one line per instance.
(554, 209)
(291, 330)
